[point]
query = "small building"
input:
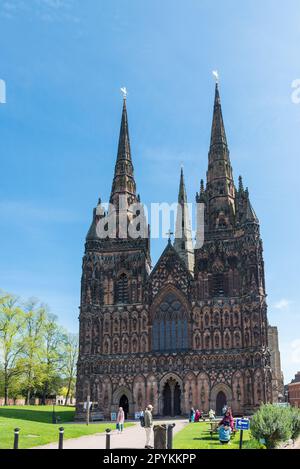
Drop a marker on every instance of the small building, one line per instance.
(294, 391)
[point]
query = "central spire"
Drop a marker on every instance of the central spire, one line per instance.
(123, 182)
(183, 235)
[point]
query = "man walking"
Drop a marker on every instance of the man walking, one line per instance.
(148, 425)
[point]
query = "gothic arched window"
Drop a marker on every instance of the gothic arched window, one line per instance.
(218, 285)
(122, 295)
(170, 326)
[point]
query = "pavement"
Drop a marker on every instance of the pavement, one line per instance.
(131, 438)
(296, 445)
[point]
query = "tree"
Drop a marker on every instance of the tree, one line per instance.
(33, 335)
(295, 418)
(53, 341)
(37, 356)
(70, 357)
(11, 345)
(273, 424)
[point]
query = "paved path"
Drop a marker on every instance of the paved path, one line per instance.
(132, 437)
(297, 445)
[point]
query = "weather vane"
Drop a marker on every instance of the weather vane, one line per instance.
(216, 76)
(124, 92)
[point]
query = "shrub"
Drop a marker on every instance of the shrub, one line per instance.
(253, 444)
(273, 424)
(295, 423)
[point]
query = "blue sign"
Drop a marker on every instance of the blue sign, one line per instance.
(242, 424)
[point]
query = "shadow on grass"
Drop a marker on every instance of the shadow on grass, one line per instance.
(43, 416)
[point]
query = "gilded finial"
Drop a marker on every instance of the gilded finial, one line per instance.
(216, 76)
(124, 92)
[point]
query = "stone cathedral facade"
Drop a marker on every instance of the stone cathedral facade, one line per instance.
(193, 330)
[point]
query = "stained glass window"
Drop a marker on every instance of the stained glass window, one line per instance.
(122, 289)
(170, 326)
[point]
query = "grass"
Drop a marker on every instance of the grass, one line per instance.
(36, 428)
(197, 436)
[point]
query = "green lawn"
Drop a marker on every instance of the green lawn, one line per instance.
(197, 436)
(36, 428)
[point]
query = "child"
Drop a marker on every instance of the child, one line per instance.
(224, 434)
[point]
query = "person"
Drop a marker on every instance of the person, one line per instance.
(224, 410)
(224, 434)
(197, 415)
(148, 426)
(142, 418)
(192, 415)
(227, 420)
(120, 420)
(211, 414)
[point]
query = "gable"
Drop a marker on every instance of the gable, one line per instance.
(169, 270)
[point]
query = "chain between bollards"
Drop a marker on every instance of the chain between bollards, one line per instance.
(61, 438)
(16, 438)
(108, 430)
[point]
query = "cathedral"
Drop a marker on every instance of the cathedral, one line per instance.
(191, 331)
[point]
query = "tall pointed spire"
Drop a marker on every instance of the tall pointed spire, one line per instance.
(218, 134)
(182, 198)
(183, 235)
(123, 182)
(220, 185)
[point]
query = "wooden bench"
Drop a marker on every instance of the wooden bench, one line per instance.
(214, 428)
(97, 416)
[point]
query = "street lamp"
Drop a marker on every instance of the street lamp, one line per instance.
(286, 395)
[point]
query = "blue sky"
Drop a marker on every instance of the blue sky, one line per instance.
(64, 62)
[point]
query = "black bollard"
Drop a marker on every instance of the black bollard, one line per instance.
(16, 438)
(61, 438)
(108, 438)
(170, 436)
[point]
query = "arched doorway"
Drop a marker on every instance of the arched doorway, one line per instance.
(171, 399)
(167, 400)
(125, 404)
(221, 401)
(177, 400)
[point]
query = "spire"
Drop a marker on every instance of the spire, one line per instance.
(218, 134)
(124, 152)
(220, 185)
(123, 182)
(183, 243)
(182, 198)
